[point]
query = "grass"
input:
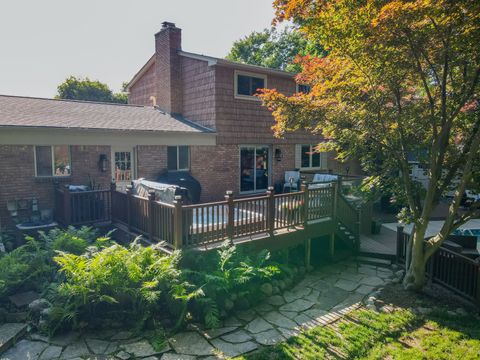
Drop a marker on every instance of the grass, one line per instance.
(367, 334)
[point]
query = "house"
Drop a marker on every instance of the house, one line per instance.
(186, 112)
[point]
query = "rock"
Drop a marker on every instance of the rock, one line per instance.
(123, 355)
(191, 343)
(276, 300)
(228, 304)
(364, 289)
(280, 320)
(97, 346)
(172, 356)
(24, 349)
(214, 333)
(371, 307)
(237, 337)
(399, 274)
(10, 333)
(297, 305)
(242, 303)
(263, 308)
(266, 289)
(233, 350)
(122, 335)
(39, 337)
(276, 290)
(38, 305)
(45, 313)
(282, 285)
(346, 285)
(247, 315)
(77, 348)
(23, 299)
(269, 337)
(258, 325)
(143, 349)
(51, 352)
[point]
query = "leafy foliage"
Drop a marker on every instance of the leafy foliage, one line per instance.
(273, 48)
(74, 88)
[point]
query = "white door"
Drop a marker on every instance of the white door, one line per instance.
(123, 167)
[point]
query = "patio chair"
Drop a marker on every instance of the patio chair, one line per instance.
(292, 178)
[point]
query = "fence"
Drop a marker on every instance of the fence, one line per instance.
(447, 268)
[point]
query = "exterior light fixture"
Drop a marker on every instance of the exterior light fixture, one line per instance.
(103, 162)
(278, 154)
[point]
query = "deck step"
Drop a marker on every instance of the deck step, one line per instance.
(10, 333)
(377, 261)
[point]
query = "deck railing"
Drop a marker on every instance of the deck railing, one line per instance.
(349, 217)
(82, 207)
(447, 268)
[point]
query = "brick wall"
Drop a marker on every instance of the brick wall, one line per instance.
(151, 160)
(18, 181)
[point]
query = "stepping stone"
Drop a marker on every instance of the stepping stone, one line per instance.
(247, 315)
(75, 349)
(305, 321)
(258, 325)
(10, 333)
(330, 280)
(278, 319)
(122, 335)
(269, 337)
(289, 314)
(367, 270)
(346, 285)
(64, 339)
(24, 349)
(331, 298)
(315, 313)
(23, 299)
(233, 350)
(321, 285)
(364, 289)
(51, 352)
(39, 337)
(313, 296)
(111, 348)
(372, 281)
(237, 337)
(293, 295)
(288, 333)
(123, 355)
(172, 356)
(143, 349)
(297, 305)
(214, 333)
(263, 308)
(276, 300)
(97, 346)
(352, 277)
(191, 343)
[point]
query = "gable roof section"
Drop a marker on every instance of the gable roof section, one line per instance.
(16, 111)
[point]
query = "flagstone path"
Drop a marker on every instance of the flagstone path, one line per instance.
(322, 297)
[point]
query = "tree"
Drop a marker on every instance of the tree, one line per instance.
(401, 79)
(74, 88)
(273, 48)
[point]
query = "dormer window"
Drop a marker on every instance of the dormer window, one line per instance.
(303, 88)
(248, 84)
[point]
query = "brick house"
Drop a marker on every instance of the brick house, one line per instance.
(186, 112)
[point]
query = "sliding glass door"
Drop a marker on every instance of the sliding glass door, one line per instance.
(254, 168)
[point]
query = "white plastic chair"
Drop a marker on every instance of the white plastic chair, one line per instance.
(291, 180)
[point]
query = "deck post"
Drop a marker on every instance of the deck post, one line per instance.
(270, 210)
(230, 214)
(399, 243)
(178, 222)
(304, 188)
(335, 195)
(128, 191)
(151, 217)
(113, 188)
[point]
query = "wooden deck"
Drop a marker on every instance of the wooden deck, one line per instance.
(379, 244)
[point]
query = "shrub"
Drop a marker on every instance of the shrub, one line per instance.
(132, 284)
(26, 267)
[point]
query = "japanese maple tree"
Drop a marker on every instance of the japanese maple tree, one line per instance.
(400, 80)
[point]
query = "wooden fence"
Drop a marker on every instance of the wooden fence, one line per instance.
(447, 268)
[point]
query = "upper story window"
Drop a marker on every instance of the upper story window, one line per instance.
(178, 158)
(247, 84)
(308, 158)
(303, 88)
(52, 160)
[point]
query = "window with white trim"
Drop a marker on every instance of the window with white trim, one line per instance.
(52, 160)
(308, 158)
(248, 84)
(303, 88)
(178, 158)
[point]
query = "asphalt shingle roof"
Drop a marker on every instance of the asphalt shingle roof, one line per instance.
(52, 113)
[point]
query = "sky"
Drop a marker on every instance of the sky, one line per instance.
(42, 42)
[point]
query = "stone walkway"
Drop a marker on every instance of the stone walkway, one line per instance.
(322, 297)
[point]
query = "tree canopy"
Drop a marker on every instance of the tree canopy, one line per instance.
(74, 88)
(273, 48)
(400, 80)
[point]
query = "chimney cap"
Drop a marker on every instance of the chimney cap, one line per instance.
(167, 24)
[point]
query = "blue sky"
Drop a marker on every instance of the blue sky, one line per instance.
(44, 41)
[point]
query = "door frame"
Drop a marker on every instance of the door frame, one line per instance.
(133, 161)
(269, 168)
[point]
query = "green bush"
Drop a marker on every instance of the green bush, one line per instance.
(132, 284)
(25, 268)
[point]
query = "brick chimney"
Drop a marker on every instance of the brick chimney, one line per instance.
(168, 68)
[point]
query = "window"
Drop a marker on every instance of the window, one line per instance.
(309, 158)
(302, 88)
(52, 160)
(178, 158)
(246, 84)
(254, 162)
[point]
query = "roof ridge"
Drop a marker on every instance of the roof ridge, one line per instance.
(74, 101)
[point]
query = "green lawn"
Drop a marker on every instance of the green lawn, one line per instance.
(367, 334)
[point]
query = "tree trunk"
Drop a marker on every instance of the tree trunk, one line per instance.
(415, 274)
